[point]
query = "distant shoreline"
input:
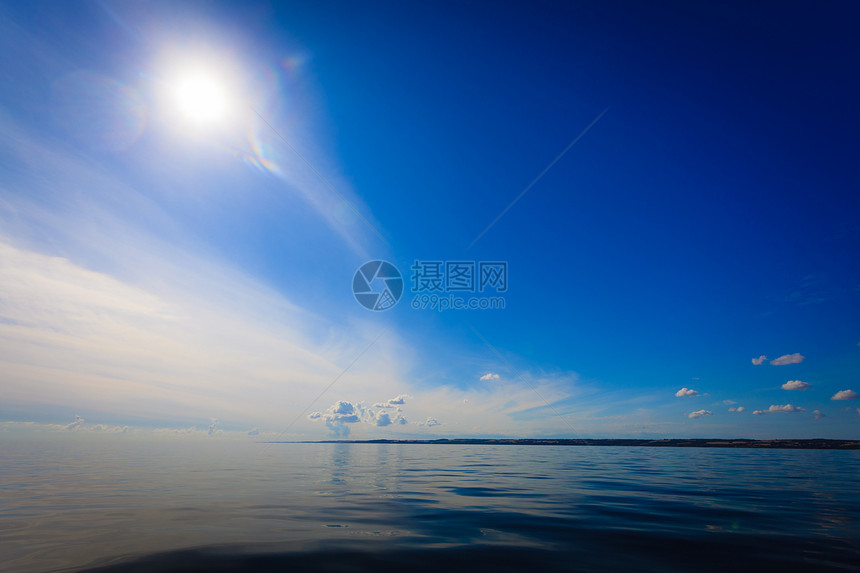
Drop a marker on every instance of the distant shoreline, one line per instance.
(811, 444)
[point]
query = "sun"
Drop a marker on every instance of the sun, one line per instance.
(201, 98)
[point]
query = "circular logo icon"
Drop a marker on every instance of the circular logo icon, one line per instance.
(377, 285)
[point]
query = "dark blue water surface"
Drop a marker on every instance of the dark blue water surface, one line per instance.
(128, 505)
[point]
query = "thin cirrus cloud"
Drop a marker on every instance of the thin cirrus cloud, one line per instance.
(795, 358)
(795, 385)
(699, 413)
(83, 339)
(686, 392)
(777, 408)
(845, 395)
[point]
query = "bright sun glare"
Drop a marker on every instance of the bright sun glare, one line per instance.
(201, 98)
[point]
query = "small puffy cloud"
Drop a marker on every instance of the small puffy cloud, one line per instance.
(399, 400)
(845, 395)
(758, 361)
(784, 408)
(430, 422)
(738, 409)
(818, 414)
(683, 392)
(699, 413)
(382, 419)
(314, 415)
(401, 420)
(213, 426)
(795, 385)
(342, 408)
(490, 376)
(795, 358)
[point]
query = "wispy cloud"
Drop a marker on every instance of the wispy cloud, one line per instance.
(795, 385)
(75, 337)
(818, 414)
(795, 358)
(776, 408)
(844, 395)
(758, 361)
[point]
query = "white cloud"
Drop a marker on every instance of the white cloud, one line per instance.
(818, 414)
(795, 358)
(844, 395)
(728, 402)
(699, 413)
(490, 376)
(795, 385)
(785, 408)
(738, 409)
(683, 392)
(430, 422)
(78, 338)
(759, 360)
(343, 413)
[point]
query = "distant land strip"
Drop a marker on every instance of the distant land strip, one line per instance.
(812, 444)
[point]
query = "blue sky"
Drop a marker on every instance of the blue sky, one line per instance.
(165, 276)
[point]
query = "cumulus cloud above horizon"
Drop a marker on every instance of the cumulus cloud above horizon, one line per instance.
(795, 385)
(738, 409)
(490, 376)
(340, 415)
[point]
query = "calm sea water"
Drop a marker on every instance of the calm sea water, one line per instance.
(122, 505)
